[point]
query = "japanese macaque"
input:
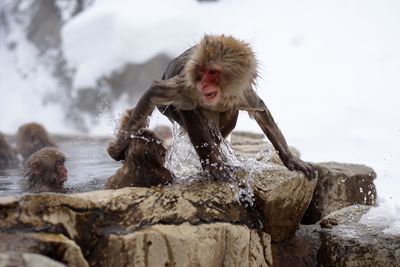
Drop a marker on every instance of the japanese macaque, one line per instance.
(203, 90)
(8, 156)
(45, 171)
(143, 162)
(31, 137)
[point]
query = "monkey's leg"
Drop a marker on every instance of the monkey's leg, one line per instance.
(172, 113)
(227, 121)
(200, 135)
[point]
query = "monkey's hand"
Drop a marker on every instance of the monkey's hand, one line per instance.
(297, 164)
(117, 148)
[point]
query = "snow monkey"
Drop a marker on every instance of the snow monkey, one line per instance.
(45, 171)
(203, 90)
(31, 137)
(143, 160)
(8, 156)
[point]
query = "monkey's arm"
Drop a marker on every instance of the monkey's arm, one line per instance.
(164, 92)
(274, 134)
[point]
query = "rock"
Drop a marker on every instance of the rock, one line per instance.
(255, 145)
(11, 259)
(89, 218)
(352, 243)
(340, 185)
(135, 79)
(56, 246)
(216, 244)
(282, 196)
(300, 250)
(45, 25)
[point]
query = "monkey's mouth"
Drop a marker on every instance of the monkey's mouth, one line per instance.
(210, 96)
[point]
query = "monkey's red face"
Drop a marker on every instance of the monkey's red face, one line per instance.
(62, 173)
(208, 85)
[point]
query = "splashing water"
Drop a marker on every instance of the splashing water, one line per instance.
(183, 162)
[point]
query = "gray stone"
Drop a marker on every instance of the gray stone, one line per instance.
(215, 244)
(351, 243)
(340, 185)
(56, 246)
(300, 250)
(18, 259)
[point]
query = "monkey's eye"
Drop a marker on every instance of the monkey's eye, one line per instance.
(200, 71)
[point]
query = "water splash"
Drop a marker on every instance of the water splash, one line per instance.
(183, 162)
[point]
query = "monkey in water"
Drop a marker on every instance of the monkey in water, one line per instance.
(31, 137)
(8, 156)
(203, 90)
(143, 160)
(45, 171)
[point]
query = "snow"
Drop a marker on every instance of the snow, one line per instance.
(329, 71)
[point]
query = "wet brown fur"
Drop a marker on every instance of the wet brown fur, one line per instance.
(8, 156)
(144, 163)
(31, 137)
(40, 171)
(144, 159)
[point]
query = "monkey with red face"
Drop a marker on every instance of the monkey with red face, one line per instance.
(203, 90)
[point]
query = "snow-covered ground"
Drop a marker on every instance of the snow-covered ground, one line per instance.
(330, 71)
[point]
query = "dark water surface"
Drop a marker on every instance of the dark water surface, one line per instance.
(88, 165)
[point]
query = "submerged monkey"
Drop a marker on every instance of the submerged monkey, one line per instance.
(203, 90)
(45, 171)
(8, 156)
(143, 161)
(31, 137)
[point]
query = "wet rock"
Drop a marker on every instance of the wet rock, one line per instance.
(352, 243)
(340, 185)
(55, 246)
(89, 218)
(300, 250)
(11, 259)
(256, 145)
(282, 196)
(216, 244)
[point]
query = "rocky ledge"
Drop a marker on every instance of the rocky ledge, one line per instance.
(200, 223)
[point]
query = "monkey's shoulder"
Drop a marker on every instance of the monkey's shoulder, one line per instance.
(175, 67)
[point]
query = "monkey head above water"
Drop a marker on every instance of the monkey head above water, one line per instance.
(203, 90)
(31, 137)
(45, 171)
(8, 156)
(143, 160)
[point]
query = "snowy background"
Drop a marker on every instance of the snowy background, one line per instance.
(330, 71)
